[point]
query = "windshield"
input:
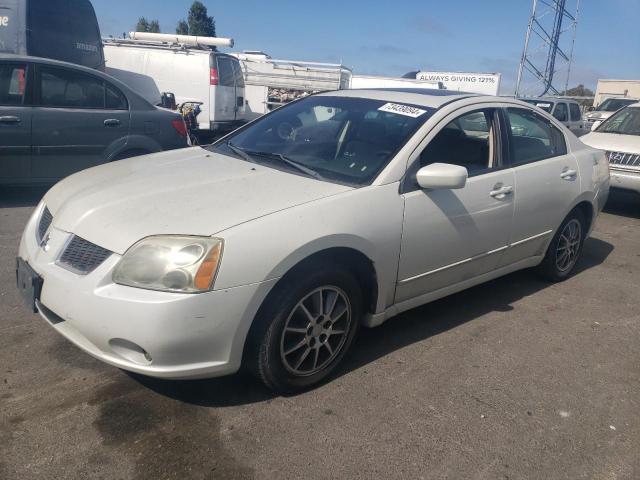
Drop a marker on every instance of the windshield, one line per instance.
(343, 139)
(543, 104)
(613, 104)
(625, 122)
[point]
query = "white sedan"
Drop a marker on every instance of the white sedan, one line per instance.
(619, 137)
(270, 247)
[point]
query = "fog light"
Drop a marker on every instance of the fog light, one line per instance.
(130, 351)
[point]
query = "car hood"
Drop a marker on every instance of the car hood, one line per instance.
(613, 142)
(599, 115)
(187, 192)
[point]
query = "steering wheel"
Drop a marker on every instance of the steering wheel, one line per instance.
(285, 131)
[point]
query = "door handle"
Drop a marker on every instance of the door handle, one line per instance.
(568, 174)
(501, 192)
(111, 122)
(9, 119)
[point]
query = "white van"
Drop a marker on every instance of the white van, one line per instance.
(191, 73)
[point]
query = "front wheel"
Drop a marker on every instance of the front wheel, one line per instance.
(565, 248)
(307, 328)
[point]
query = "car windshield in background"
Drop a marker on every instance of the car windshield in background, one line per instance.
(342, 139)
(543, 104)
(625, 122)
(613, 104)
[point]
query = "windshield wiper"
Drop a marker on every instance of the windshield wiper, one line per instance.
(240, 152)
(283, 158)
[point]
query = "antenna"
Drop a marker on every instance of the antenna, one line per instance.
(548, 47)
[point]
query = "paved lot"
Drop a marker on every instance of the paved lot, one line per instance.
(515, 379)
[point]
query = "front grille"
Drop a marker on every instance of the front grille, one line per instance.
(43, 225)
(81, 256)
(624, 159)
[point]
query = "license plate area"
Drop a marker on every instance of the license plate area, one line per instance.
(29, 283)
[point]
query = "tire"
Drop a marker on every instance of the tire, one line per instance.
(313, 344)
(565, 248)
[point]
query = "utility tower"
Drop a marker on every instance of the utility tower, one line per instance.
(545, 65)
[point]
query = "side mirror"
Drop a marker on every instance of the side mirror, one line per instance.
(442, 175)
(596, 125)
(590, 109)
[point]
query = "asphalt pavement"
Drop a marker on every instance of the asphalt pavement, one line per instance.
(514, 379)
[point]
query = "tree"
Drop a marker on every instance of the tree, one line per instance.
(580, 91)
(142, 25)
(154, 26)
(199, 21)
(182, 28)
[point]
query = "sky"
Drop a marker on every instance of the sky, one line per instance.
(393, 37)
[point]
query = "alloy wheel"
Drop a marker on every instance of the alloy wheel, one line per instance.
(315, 331)
(568, 245)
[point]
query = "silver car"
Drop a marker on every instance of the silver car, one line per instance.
(271, 247)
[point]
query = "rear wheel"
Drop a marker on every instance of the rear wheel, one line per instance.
(565, 248)
(306, 328)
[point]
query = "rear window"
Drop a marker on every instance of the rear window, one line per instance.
(576, 114)
(226, 74)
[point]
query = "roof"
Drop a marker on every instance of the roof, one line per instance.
(417, 96)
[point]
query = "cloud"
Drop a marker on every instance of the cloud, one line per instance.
(385, 49)
(429, 25)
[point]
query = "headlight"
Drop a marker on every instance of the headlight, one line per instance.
(170, 263)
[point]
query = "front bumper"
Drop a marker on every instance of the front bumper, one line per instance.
(160, 334)
(625, 179)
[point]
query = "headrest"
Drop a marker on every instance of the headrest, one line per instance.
(370, 131)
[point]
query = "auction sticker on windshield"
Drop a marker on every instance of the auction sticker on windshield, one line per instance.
(405, 110)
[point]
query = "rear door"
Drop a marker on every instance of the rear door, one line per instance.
(15, 121)
(224, 93)
(239, 88)
(78, 121)
(546, 180)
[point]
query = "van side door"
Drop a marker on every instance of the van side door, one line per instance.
(15, 121)
(79, 120)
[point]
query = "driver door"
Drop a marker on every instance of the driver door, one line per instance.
(450, 236)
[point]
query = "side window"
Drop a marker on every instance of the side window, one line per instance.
(532, 137)
(467, 141)
(13, 81)
(560, 112)
(66, 88)
(115, 100)
(576, 115)
(225, 72)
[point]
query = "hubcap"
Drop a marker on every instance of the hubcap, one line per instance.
(315, 331)
(568, 245)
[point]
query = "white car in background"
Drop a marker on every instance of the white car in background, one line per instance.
(607, 108)
(619, 137)
(270, 247)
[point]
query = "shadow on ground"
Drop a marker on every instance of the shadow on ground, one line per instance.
(624, 203)
(406, 329)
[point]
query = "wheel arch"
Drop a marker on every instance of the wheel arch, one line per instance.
(356, 261)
